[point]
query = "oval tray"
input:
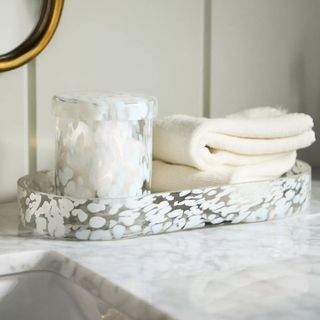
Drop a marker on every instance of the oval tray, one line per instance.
(44, 213)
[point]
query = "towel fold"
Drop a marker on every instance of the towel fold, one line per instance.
(170, 177)
(203, 143)
(255, 144)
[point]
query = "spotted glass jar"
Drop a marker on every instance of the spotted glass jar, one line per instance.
(103, 144)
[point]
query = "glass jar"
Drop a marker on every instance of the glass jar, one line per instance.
(103, 144)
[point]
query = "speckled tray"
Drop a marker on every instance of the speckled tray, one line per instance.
(44, 213)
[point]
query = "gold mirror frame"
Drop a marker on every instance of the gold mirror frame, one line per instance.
(38, 39)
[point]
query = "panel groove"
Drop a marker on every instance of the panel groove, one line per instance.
(207, 58)
(32, 120)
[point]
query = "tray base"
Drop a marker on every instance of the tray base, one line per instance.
(45, 214)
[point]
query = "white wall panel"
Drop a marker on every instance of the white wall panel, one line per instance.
(148, 46)
(266, 53)
(13, 131)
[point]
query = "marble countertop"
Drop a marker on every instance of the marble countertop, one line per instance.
(268, 270)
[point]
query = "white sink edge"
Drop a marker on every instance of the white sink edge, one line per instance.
(98, 286)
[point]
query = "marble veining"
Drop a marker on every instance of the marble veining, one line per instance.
(268, 270)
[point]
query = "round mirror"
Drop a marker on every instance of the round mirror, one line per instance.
(18, 20)
(26, 27)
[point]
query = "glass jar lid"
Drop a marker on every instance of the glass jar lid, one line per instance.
(104, 106)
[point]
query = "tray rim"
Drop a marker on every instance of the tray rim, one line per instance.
(304, 168)
(46, 215)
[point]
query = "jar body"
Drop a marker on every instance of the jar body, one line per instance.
(103, 158)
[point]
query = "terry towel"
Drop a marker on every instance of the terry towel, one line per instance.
(249, 137)
(171, 177)
(255, 144)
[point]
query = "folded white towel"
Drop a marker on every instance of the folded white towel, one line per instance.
(169, 177)
(244, 138)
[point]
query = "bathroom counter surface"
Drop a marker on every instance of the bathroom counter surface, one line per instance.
(267, 270)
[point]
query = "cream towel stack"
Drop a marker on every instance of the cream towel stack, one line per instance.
(255, 144)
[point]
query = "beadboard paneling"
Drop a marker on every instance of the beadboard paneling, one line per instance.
(13, 131)
(148, 46)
